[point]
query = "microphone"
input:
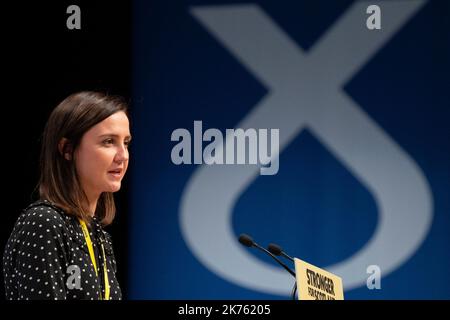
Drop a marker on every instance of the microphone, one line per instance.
(247, 241)
(276, 250)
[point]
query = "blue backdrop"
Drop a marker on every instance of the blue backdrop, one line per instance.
(364, 167)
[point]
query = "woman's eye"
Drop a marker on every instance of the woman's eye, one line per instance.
(108, 141)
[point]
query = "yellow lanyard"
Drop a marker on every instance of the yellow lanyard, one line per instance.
(91, 254)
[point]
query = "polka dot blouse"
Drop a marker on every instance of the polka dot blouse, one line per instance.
(46, 257)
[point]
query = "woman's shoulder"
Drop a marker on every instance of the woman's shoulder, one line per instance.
(41, 220)
(45, 213)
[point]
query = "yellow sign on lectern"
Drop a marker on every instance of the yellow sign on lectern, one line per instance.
(314, 283)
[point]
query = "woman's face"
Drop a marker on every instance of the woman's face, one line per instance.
(101, 159)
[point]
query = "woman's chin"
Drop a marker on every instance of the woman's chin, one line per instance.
(113, 187)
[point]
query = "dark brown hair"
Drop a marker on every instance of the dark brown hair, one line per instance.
(59, 182)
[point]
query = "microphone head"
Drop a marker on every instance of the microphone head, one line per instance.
(246, 240)
(275, 249)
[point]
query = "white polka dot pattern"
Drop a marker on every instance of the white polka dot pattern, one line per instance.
(44, 243)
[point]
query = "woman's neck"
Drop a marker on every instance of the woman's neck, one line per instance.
(92, 205)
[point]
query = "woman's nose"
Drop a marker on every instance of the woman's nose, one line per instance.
(122, 154)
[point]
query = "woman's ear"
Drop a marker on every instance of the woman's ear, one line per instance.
(65, 148)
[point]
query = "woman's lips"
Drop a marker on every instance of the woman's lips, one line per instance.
(116, 173)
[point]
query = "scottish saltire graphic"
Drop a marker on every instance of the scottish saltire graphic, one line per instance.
(362, 157)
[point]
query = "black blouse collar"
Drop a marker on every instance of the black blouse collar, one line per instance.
(76, 232)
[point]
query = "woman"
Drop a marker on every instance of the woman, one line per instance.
(58, 248)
